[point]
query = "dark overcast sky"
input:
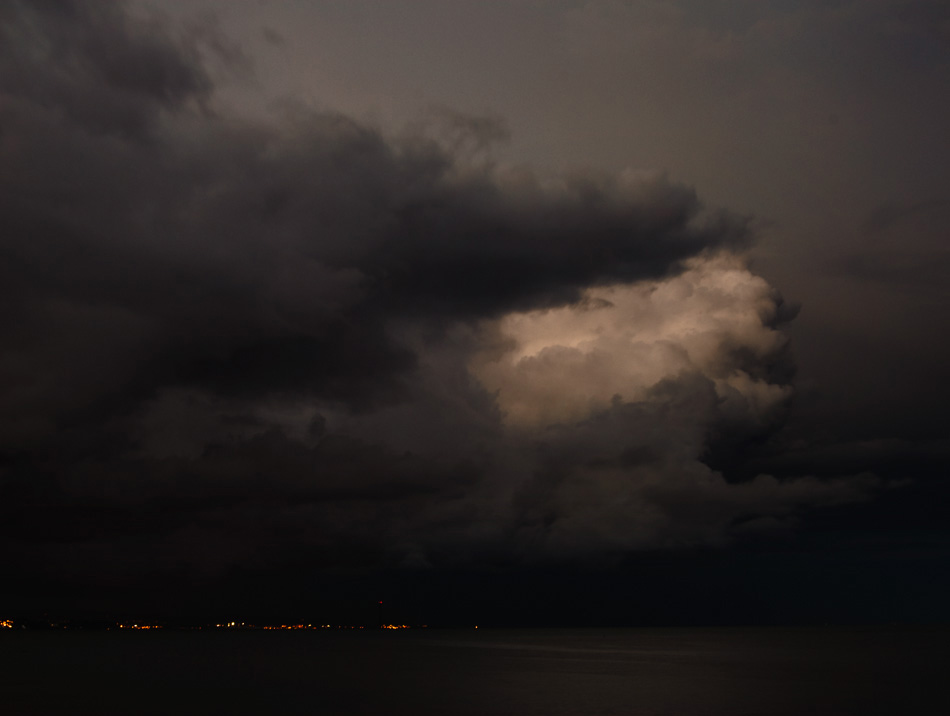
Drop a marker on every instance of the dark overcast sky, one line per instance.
(533, 312)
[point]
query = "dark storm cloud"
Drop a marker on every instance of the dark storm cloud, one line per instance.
(92, 63)
(227, 343)
(250, 259)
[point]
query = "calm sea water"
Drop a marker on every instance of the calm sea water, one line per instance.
(545, 672)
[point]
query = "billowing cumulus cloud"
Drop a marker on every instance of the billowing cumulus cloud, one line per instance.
(716, 319)
(231, 343)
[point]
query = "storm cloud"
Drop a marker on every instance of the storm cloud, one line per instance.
(230, 343)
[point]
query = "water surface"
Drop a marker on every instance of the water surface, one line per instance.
(824, 671)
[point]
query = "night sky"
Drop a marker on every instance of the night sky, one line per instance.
(537, 312)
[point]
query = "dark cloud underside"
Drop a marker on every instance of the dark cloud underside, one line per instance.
(229, 344)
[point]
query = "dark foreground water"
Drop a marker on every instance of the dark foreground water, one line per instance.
(546, 672)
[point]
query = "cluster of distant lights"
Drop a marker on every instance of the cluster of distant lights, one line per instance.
(8, 624)
(242, 625)
(271, 627)
(274, 627)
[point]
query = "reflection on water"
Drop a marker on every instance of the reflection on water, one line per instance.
(550, 672)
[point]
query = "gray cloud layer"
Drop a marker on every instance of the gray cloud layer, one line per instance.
(230, 343)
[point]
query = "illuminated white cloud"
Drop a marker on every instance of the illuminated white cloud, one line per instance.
(715, 319)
